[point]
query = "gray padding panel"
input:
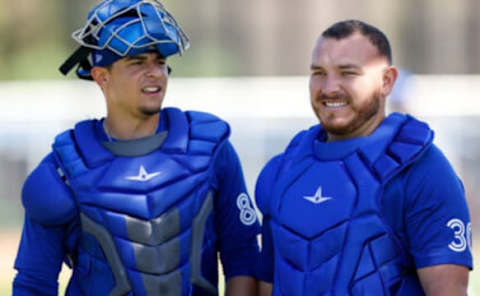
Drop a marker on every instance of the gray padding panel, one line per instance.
(161, 259)
(105, 240)
(136, 147)
(167, 285)
(198, 231)
(155, 231)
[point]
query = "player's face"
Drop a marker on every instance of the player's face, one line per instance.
(349, 81)
(136, 85)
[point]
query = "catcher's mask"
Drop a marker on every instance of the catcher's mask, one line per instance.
(119, 28)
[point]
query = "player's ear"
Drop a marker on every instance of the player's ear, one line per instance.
(390, 75)
(100, 75)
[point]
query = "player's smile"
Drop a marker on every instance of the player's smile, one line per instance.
(151, 89)
(334, 102)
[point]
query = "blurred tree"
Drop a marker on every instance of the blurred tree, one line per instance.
(31, 31)
(473, 40)
(71, 17)
(252, 37)
(413, 32)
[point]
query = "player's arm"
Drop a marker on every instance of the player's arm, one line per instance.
(438, 225)
(444, 280)
(48, 209)
(265, 288)
(263, 188)
(241, 286)
(39, 259)
(237, 225)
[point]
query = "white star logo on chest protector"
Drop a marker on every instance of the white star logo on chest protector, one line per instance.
(317, 198)
(143, 175)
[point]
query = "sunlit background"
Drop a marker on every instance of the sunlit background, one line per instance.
(248, 63)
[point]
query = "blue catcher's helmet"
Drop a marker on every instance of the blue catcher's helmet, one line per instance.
(119, 28)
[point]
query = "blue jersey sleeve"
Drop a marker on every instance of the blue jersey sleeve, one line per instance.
(40, 255)
(47, 231)
(436, 213)
(236, 219)
(265, 181)
(45, 195)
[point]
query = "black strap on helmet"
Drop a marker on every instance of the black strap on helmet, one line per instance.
(78, 57)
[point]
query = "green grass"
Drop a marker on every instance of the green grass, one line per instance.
(5, 289)
(6, 285)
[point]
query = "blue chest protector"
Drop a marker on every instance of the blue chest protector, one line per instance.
(147, 223)
(328, 232)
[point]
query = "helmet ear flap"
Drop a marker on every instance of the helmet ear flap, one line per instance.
(169, 70)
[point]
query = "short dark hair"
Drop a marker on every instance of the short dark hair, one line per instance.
(344, 29)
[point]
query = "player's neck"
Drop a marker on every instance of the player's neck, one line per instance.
(362, 131)
(131, 129)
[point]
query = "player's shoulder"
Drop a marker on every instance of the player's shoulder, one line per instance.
(227, 155)
(46, 197)
(201, 116)
(433, 163)
(434, 156)
(205, 118)
(266, 180)
(431, 179)
(269, 172)
(226, 161)
(207, 126)
(272, 166)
